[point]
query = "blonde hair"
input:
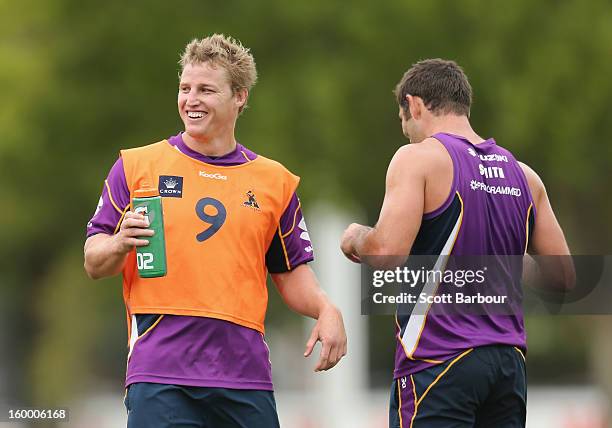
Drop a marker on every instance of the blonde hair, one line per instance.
(226, 52)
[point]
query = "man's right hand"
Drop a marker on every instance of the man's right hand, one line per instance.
(105, 254)
(133, 227)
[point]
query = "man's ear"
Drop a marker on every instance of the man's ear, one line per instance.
(241, 97)
(415, 106)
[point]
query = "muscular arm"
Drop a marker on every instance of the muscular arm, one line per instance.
(301, 293)
(105, 254)
(390, 240)
(552, 268)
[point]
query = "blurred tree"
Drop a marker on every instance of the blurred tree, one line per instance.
(82, 80)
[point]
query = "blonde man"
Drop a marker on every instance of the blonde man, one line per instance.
(197, 351)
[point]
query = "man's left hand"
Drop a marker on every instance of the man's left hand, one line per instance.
(329, 330)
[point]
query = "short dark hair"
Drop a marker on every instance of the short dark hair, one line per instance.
(441, 84)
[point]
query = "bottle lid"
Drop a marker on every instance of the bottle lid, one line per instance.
(146, 192)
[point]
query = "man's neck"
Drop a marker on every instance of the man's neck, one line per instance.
(452, 124)
(213, 147)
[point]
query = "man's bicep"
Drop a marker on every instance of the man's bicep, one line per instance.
(547, 237)
(113, 203)
(290, 246)
(402, 210)
(94, 240)
(556, 270)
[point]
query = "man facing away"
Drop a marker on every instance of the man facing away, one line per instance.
(197, 354)
(458, 370)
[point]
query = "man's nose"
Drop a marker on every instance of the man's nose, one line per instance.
(192, 98)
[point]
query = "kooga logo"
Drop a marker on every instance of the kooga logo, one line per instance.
(216, 175)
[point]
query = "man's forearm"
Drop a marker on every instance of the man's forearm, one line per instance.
(300, 291)
(549, 273)
(102, 259)
(366, 245)
(105, 254)
(311, 301)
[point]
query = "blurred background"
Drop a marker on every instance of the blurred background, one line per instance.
(81, 80)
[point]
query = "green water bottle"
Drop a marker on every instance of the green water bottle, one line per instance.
(151, 259)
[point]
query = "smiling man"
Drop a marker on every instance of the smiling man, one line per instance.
(197, 352)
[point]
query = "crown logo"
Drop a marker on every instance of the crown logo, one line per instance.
(170, 183)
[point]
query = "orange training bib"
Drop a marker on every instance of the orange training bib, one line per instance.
(219, 222)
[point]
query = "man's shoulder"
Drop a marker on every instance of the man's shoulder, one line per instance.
(262, 160)
(158, 145)
(536, 185)
(426, 153)
(272, 165)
